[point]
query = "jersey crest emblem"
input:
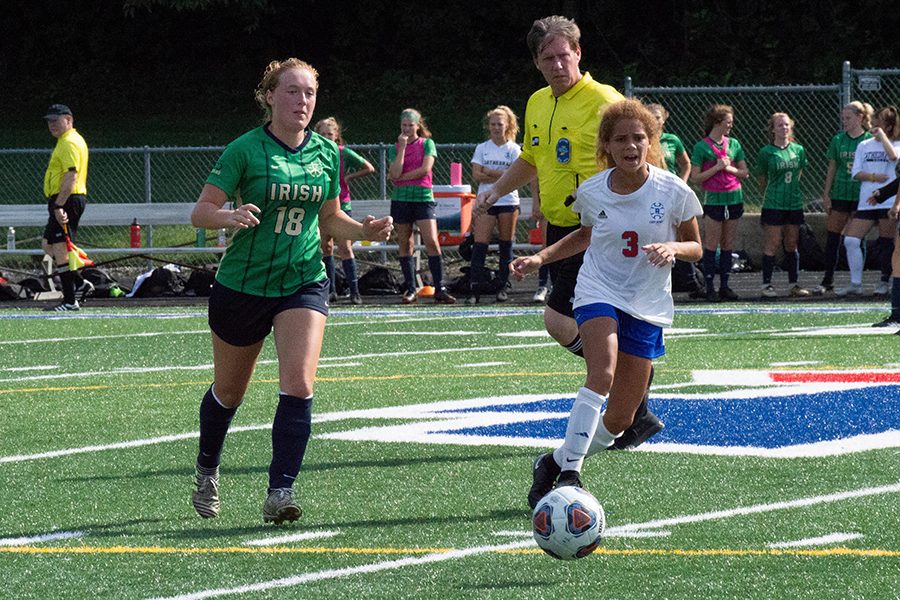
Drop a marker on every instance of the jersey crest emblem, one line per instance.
(657, 212)
(315, 168)
(563, 150)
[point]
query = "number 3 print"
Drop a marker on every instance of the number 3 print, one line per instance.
(631, 244)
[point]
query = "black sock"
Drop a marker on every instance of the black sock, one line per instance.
(329, 272)
(290, 434)
(349, 266)
(726, 260)
(67, 279)
(476, 273)
(575, 347)
(768, 268)
(214, 422)
(886, 246)
(543, 276)
(407, 267)
(436, 266)
(895, 299)
(832, 248)
(793, 264)
(642, 407)
(505, 259)
(709, 269)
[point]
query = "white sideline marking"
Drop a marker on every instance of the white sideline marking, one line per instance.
(37, 539)
(120, 445)
(418, 333)
(294, 537)
(796, 363)
(484, 364)
(834, 538)
(612, 532)
(324, 359)
(34, 368)
(348, 364)
(761, 508)
(525, 334)
(350, 571)
(454, 554)
(840, 331)
(102, 337)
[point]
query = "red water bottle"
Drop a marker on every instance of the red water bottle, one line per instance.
(135, 234)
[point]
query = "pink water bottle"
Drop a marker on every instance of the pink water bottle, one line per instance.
(455, 173)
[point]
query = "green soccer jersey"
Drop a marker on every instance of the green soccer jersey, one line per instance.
(672, 148)
(781, 167)
(289, 186)
(702, 156)
(841, 151)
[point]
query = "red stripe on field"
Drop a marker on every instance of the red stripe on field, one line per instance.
(813, 377)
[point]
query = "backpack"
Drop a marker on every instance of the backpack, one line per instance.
(812, 256)
(105, 285)
(200, 282)
(379, 281)
(686, 277)
(162, 282)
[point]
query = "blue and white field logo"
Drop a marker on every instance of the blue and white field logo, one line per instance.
(783, 414)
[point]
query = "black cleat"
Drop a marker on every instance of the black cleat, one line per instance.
(569, 478)
(542, 478)
(641, 430)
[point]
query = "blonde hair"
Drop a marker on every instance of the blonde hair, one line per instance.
(272, 76)
(864, 110)
(628, 109)
(770, 129)
(512, 123)
(417, 118)
(660, 109)
(332, 122)
(715, 115)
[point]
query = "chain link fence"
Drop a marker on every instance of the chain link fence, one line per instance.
(176, 175)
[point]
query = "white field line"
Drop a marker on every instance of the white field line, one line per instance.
(102, 337)
(346, 364)
(37, 539)
(350, 571)
(294, 537)
(34, 368)
(612, 532)
(418, 333)
(120, 445)
(762, 508)
(324, 359)
(834, 538)
(484, 364)
(455, 554)
(485, 315)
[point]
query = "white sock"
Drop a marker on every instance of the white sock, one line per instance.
(580, 430)
(854, 258)
(603, 439)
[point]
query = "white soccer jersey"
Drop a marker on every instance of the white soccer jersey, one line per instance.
(490, 155)
(870, 157)
(616, 270)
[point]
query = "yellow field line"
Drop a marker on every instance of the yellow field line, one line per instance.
(819, 552)
(328, 379)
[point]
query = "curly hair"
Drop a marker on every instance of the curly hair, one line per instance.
(620, 111)
(512, 123)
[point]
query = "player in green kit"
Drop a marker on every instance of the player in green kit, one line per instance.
(674, 153)
(283, 181)
(779, 167)
(840, 193)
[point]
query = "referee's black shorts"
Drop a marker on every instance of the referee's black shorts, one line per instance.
(74, 208)
(563, 273)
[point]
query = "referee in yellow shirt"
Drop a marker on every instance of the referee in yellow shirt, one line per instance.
(65, 187)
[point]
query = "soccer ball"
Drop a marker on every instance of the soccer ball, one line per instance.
(568, 523)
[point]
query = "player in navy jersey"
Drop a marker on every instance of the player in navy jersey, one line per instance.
(283, 182)
(636, 219)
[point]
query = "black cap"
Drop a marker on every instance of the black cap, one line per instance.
(56, 111)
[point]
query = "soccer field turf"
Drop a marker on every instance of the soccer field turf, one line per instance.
(777, 476)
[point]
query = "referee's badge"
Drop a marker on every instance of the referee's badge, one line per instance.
(563, 150)
(535, 141)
